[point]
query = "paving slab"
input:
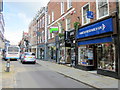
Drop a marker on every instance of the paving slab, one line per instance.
(95, 80)
(8, 78)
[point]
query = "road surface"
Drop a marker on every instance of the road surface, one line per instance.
(39, 76)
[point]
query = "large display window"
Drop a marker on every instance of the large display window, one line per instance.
(86, 56)
(106, 56)
(62, 54)
(65, 54)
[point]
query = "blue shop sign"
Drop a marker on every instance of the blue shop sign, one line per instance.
(94, 41)
(90, 14)
(95, 29)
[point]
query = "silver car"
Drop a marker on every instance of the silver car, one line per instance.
(28, 57)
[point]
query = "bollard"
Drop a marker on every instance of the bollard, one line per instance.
(8, 65)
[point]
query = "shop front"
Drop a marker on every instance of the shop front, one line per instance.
(41, 51)
(70, 39)
(51, 51)
(97, 47)
(64, 52)
(34, 49)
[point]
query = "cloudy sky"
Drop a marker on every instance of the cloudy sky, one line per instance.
(17, 16)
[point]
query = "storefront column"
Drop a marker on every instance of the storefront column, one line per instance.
(46, 52)
(57, 49)
(36, 52)
(118, 35)
(118, 28)
(119, 41)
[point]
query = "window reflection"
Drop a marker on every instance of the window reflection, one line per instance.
(106, 56)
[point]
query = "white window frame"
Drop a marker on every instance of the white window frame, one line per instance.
(69, 4)
(48, 19)
(98, 11)
(40, 23)
(62, 8)
(52, 35)
(42, 36)
(43, 22)
(40, 39)
(86, 13)
(48, 34)
(60, 27)
(52, 16)
(67, 24)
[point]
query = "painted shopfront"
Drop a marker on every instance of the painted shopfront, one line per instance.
(97, 47)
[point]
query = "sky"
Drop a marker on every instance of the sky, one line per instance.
(18, 15)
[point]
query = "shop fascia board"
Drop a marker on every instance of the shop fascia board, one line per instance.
(61, 17)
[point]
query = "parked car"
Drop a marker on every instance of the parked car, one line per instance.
(28, 57)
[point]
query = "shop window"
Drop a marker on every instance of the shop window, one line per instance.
(67, 51)
(106, 56)
(72, 53)
(102, 8)
(62, 54)
(86, 55)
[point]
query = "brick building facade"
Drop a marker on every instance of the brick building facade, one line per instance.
(93, 39)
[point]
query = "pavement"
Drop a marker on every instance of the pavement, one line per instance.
(89, 78)
(7, 79)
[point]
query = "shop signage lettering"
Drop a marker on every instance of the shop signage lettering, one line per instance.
(95, 29)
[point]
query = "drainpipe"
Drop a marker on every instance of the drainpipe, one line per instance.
(37, 41)
(46, 49)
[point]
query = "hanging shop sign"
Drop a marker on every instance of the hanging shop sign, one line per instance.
(53, 29)
(96, 29)
(72, 33)
(90, 14)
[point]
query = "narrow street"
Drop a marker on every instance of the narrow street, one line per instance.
(71, 44)
(38, 76)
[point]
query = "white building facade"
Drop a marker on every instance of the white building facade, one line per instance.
(2, 24)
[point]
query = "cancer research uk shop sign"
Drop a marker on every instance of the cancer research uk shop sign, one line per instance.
(95, 29)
